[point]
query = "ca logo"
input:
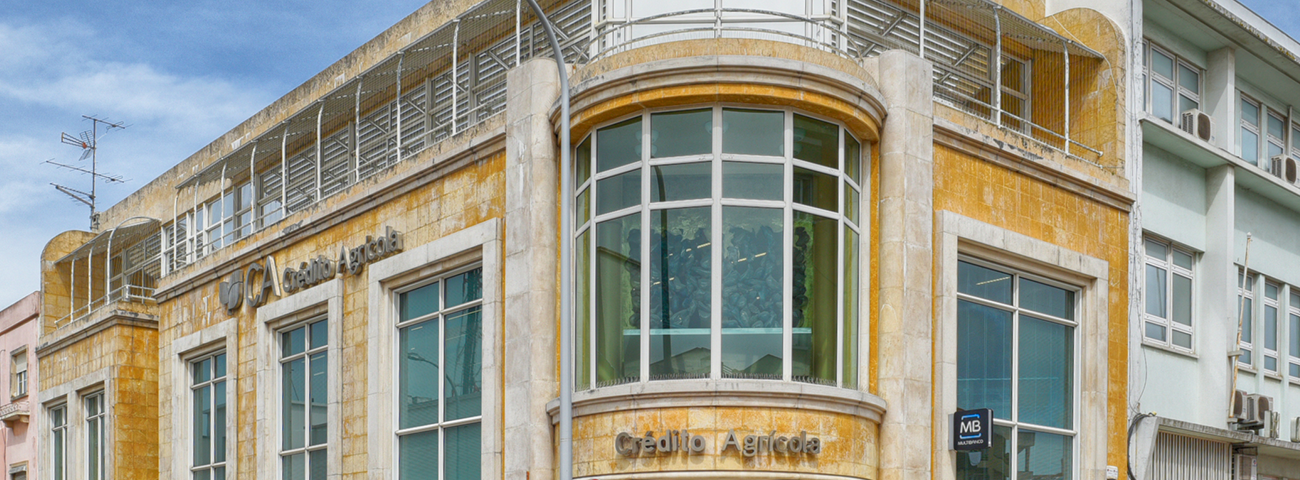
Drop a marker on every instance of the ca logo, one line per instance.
(231, 293)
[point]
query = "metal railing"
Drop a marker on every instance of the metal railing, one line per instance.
(823, 33)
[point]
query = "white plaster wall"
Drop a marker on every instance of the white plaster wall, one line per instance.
(1276, 234)
(1174, 43)
(1173, 198)
(1167, 381)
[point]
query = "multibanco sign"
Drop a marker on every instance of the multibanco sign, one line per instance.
(681, 441)
(265, 279)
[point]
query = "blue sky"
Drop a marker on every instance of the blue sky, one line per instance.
(178, 73)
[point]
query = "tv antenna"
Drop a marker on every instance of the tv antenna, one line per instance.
(88, 142)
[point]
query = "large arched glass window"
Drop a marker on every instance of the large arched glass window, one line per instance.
(717, 242)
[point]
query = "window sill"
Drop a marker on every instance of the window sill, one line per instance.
(723, 393)
(1273, 376)
(1169, 349)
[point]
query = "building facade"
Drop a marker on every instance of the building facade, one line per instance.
(804, 235)
(18, 337)
(1216, 320)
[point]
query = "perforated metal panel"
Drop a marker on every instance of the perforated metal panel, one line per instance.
(1179, 457)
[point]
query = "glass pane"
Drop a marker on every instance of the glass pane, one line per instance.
(582, 162)
(93, 452)
(1275, 127)
(683, 133)
(849, 349)
(1274, 149)
(994, 463)
(582, 311)
(753, 132)
(319, 334)
(1185, 104)
(418, 303)
(618, 144)
(202, 426)
(1246, 357)
(584, 208)
(219, 422)
(756, 181)
(294, 341)
(417, 375)
(1155, 331)
(618, 192)
(1249, 112)
(1270, 327)
(816, 189)
(1182, 300)
(1044, 455)
(1046, 299)
(680, 292)
(1046, 393)
(852, 200)
(618, 300)
(1182, 339)
(319, 466)
(817, 141)
(463, 446)
(983, 358)
(1156, 291)
(418, 456)
(1189, 79)
(752, 308)
(294, 467)
(202, 370)
(203, 475)
(219, 365)
(294, 400)
(1294, 333)
(463, 392)
(853, 158)
(1295, 370)
(58, 455)
(1270, 291)
(319, 398)
(1156, 249)
(815, 309)
(1247, 329)
(465, 287)
(1182, 259)
(983, 282)
(681, 182)
(1162, 64)
(1270, 363)
(1162, 101)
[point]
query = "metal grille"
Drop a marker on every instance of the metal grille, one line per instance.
(1179, 457)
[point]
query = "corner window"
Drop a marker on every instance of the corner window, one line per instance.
(1293, 334)
(440, 378)
(208, 387)
(717, 242)
(1016, 355)
(1271, 291)
(18, 374)
(1246, 305)
(95, 447)
(1173, 84)
(304, 401)
(1168, 295)
(59, 440)
(1250, 112)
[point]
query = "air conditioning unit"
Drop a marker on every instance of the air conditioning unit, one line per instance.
(1284, 167)
(1197, 123)
(1295, 430)
(1271, 421)
(1238, 406)
(1244, 467)
(1258, 409)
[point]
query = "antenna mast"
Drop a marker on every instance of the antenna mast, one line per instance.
(88, 141)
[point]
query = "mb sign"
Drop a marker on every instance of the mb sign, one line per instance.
(972, 429)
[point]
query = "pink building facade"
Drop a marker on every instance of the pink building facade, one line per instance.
(18, 336)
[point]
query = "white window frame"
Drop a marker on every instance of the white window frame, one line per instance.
(1278, 315)
(437, 317)
(1171, 268)
(1257, 129)
(1246, 345)
(1173, 84)
(307, 449)
(58, 435)
(97, 457)
(1293, 332)
(1272, 140)
(18, 381)
(212, 465)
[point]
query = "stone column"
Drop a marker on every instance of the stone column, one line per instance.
(1216, 286)
(531, 267)
(906, 257)
(1220, 97)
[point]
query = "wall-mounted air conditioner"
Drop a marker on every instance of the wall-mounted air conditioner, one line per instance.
(1271, 427)
(1244, 467)
(1238, 413)
(1197, 123)
(1284, 167)
(1295, 430)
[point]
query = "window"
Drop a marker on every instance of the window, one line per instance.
(742, 226)
(1170, 78)
(18, 377)
(95, 447)
(304, 400)
(1168, 303)
(229, 217)
(1293, 333)
(208, 387)
(59, 435)
(1246, 297)
(1250, 111)
(1016, 355)
(1015, 93)
(1276, 135)
(1270, 326)
(440, 378)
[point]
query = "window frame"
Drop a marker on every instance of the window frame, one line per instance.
(192, 363)
(439, 317)
(716, 201)
(1275, 304)
(282, 359)
(1246, 345)
(18, 378)
(58, 437)
(1171, 268)
(1076, 384)
(1292, 314)
(1174, 84)
(97, 457)
(1257, 129)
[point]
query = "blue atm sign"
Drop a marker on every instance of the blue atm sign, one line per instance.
(972, 429)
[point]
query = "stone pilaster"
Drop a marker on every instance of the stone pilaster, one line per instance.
(530, 269)
(906, 258)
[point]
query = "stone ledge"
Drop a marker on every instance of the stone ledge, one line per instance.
(723, 393)
(97, 322)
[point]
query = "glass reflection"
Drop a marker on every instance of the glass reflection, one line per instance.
(680, 292)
